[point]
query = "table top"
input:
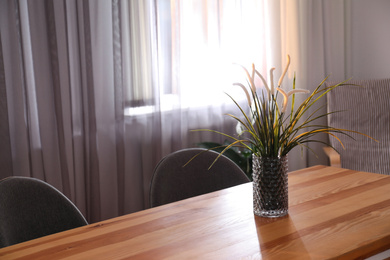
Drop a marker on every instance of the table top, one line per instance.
(333, 212)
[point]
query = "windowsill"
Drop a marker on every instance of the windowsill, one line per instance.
(171, 103)
(168, 103)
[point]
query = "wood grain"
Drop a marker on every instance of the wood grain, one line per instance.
(334, 213)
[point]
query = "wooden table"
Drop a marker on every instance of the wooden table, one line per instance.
(334, 213)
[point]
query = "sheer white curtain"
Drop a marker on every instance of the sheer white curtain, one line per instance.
(198, 43)
(316, 34)
(95, 93)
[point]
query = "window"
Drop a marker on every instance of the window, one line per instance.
(197, 42)
(138, 43)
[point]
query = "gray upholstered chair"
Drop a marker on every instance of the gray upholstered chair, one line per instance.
(173, 182)
(31, 208)
(366, 109)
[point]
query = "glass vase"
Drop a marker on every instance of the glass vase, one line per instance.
(270, 186)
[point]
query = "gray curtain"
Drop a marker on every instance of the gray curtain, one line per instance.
(62, 101)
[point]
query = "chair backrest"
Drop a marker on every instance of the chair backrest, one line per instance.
(366, 109)
(31, 208)
(173, 182)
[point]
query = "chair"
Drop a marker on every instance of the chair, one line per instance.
(334, 157)
(366, 109)
(173, 182)
(31, 208)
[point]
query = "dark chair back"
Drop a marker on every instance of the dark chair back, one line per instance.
(173, 182)
(31, 208)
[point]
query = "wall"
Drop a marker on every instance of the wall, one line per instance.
(370, 39)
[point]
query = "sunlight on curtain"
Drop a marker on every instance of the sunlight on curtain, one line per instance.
(207, 38)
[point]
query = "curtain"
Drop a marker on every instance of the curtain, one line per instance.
(330, 39)
(95, 93)
(66, 71)
(63, 123)
(317, 36)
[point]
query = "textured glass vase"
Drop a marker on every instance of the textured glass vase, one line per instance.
(270, 186)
